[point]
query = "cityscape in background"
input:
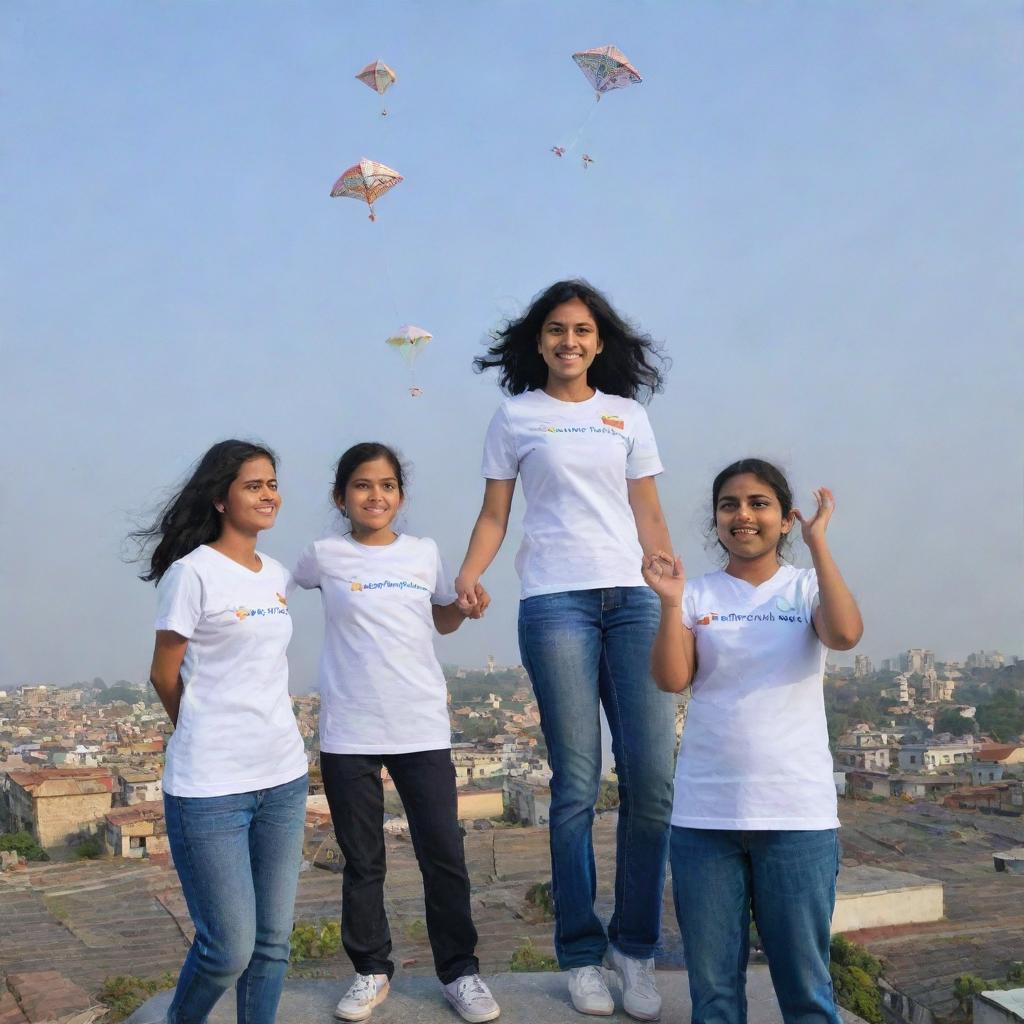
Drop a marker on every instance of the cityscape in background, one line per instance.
(928, 765)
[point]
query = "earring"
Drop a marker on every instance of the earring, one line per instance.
(219, 508)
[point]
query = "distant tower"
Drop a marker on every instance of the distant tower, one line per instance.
(491, 664)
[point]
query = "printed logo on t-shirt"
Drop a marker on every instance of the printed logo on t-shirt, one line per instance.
(389, 585)
(609, 425)
(786, 613)
(242, 613)
(282, 600)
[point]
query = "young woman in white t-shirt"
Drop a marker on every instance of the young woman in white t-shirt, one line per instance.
(572, 429)
(754, 825)
(235, 779)
(384, 704)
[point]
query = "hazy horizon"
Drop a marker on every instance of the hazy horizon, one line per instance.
(815, 208)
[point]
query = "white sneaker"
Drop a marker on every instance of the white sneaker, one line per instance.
(362, 996)
(589, 991)
(471, 999)
(640, 997)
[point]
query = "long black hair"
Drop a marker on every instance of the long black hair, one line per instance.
(189, 518)
(769, 474)
(630, 364)
(354, 457)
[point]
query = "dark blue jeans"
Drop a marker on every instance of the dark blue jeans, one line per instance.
(238, 859)
(788, 879)
(584, 649)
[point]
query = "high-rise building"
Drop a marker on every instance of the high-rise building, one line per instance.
(862, 666)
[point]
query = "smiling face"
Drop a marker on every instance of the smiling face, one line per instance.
(373, 496)
(253, 499)
(569, 341)
(749, 519)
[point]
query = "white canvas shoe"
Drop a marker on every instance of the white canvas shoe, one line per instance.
(589, 991)
(471, 999)
(362, 996)
(640, 998)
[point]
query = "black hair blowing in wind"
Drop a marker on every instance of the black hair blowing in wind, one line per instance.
(630, 364)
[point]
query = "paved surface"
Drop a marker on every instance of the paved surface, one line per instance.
(524, 999)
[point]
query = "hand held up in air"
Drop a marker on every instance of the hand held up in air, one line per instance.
(664, 574)
(813, 529)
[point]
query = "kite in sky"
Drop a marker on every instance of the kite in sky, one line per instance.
(606, 68)
(379, 77)
(366, 181)
(409, 341)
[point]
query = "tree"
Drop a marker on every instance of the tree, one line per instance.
(950, 720)
(23, 845)
(1002, 716)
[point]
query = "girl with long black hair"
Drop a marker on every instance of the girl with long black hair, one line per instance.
(235, 779)
(573, 429)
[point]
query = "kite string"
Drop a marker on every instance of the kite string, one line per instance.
(579, 131)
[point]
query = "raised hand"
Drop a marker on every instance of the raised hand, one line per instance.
(664, 574)
(813, 529)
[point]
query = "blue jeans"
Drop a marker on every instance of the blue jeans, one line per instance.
(788, 879)
(583, 649)
(238, 859)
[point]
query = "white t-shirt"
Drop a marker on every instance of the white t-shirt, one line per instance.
(381, 686)
(755, 748)
(575, 458)
(236, 732)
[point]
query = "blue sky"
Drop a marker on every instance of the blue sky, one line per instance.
(815, 206)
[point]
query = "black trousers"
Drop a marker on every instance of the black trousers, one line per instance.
(425, 780)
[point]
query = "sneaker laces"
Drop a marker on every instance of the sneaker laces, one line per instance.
(590, 981)
(471, 989)
(364, 986)
(641, 976)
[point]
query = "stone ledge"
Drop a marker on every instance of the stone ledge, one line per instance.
(524, 999)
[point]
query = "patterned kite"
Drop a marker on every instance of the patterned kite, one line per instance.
(606, 68)
(409, 341)
(379, 77)
(367, 181)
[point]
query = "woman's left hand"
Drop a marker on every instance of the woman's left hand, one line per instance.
(813, 529)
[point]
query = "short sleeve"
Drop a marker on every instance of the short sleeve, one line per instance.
(179, 600)
(306, 573)
(643, 458)
(809, 592)
(689, 617)
(444, 588)
(500, 461)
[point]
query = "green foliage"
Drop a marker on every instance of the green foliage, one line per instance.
(1015, 975)
(474, 729)
(950, 720)
(125, 993)
(1002, 715)
(24, 845)
(539, 896)
(607, 796)
(89, 849)
(416, 931)
(315, 940)
(129, 694)
(527, 958)
(855, 979)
